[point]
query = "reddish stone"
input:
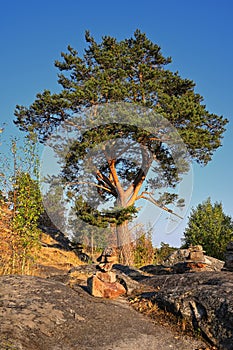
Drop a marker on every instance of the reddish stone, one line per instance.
(101, 289)
(196, 265)
(200, 265)
(106, 276)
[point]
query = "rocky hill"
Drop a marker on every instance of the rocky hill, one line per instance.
(57, 312)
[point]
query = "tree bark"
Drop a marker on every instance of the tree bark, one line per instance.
(124, 243)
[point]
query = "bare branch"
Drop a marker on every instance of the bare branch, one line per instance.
(152, 200)
(104, 178)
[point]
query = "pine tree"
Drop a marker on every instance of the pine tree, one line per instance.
(132, 71)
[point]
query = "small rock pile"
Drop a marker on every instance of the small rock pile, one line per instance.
(192, 259)
(191, 254)
(229, 257)
(104, 282)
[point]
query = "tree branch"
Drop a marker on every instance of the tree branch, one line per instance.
(91, 184)
(152, 200)
(105, 179)
(135, 187)
(119, 189)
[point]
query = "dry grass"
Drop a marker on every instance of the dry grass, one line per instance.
(54, 257)
(57, 258)
(7, 239)
(44, 257)
(151, 309)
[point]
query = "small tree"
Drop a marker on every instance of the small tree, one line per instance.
(27, 209)
(20, 209)
(144, 251)
(209, 227)
(6, 237)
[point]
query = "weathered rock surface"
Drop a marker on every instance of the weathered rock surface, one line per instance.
(44, 314)
(204, 299)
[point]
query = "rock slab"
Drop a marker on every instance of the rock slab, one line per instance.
(41, 314)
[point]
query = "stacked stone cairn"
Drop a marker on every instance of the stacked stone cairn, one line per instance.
(229, 257)
(194, 260)
(104, 282)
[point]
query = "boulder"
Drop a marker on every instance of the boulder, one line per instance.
(196, 254)
(213, 263)
(178, 255)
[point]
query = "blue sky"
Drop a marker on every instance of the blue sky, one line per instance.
(196, 34)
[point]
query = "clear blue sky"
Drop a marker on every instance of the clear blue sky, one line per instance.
(198, 35)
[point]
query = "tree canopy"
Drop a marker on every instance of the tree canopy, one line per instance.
(210, 227)
(130, 70)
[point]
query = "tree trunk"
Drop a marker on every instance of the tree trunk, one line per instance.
(124, 244)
